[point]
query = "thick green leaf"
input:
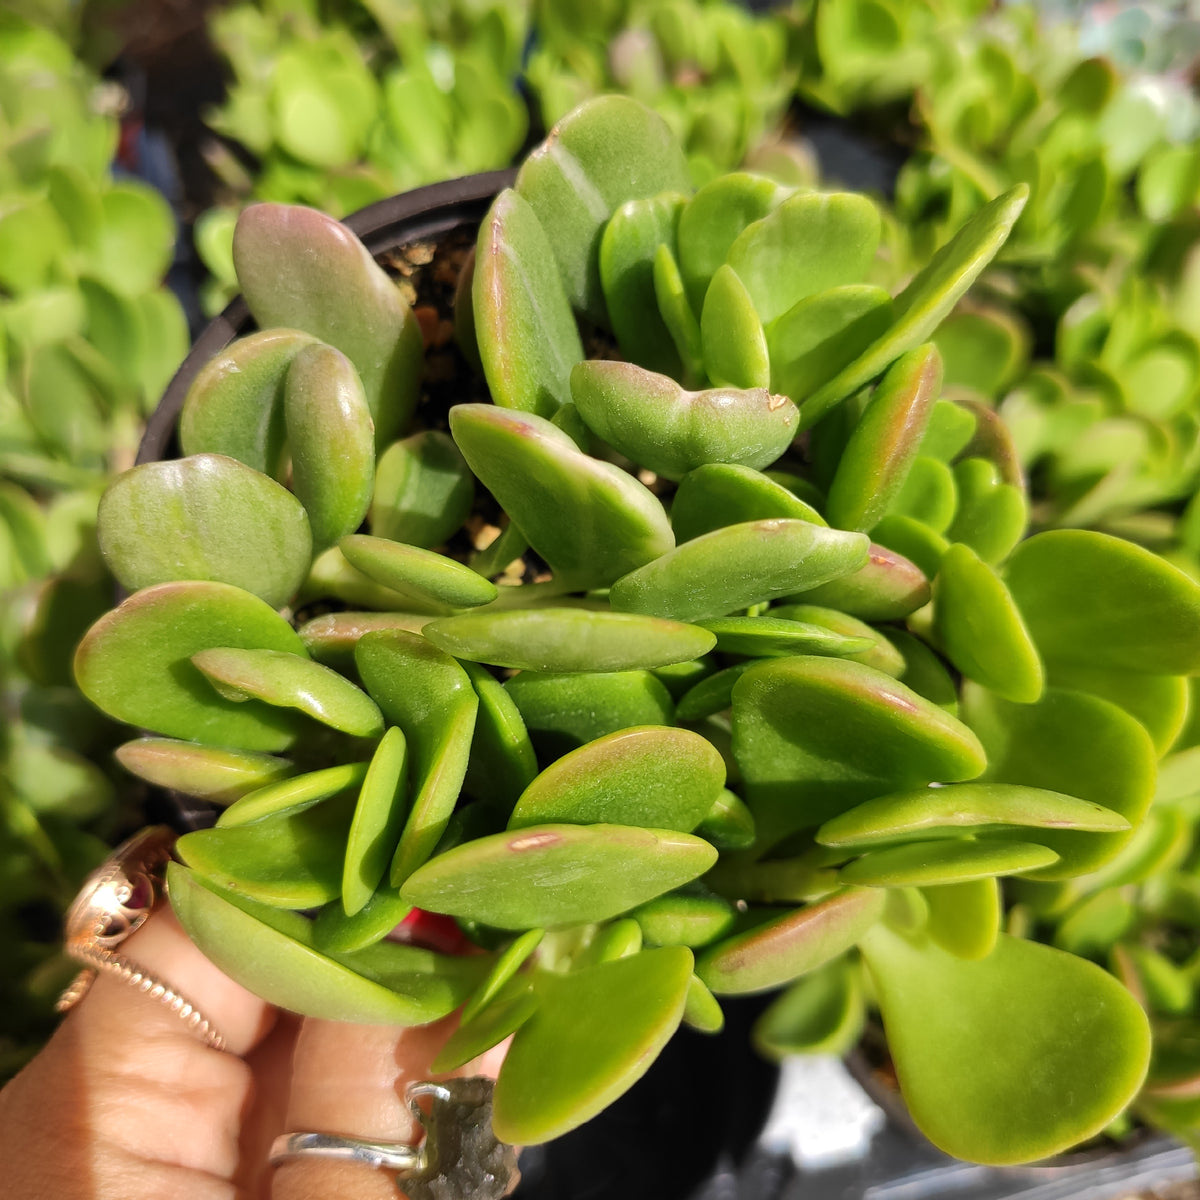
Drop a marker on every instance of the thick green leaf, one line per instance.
(961, 860)
(810, 243)
(661, 426)
(712, 221)
(289, 859)
(690, 917)
(523, 321)
(488, 1028)
(331, 638)
(627, 250)
(294, 795)
(207, 518)
(332, 441)
(1053, 1042)
(423, 490)
(134, 664)
(701, 1011)
(550, 875)
(964, 918)
(235, 405)
(815, 736)
(430, 697)
(609, 150)
(979, 628)
(301, 269)
(738, 566)
(209, 772)
(652, 776)
(786, 947)
(772, 635)
(887, 588)
(565, 710)
(884, 444)
(291, 681)
(731, 335)
(923, 304)
(721, 494)
(677, 314)
(1073, 743)
(568, 639)
(878, 653)
(272, 954)
(953, 809)
(1098, 601)
(992, 515)
(378, 821)
(507, 964)
(823, 1012)
(591, 521)
(425, 575)
(502, 763)
(820, 335)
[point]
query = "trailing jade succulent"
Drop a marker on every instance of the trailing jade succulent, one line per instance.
(640, 662)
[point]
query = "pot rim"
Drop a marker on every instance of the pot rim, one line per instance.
(417, 215)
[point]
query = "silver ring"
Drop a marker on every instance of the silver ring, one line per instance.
(394, 1156)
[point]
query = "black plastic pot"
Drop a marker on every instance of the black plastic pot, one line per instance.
(705, 1099)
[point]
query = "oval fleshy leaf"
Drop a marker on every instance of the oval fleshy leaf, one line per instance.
(331, 438)
(1102, 602)
(627, 250)
(134, 664)
(272, 954)
(378, 821)
(810, 243)
(502, 763)
(685, 918)
(731, 335)
(701, 1011)
(563, 711)
(919, 864)
(526, 331)
(738, 566)
(789, 946)
(331, 638)
(819, 335)
(568, 639)
(677, 314)
(823, 1012)
(887, 588)
(423, 490)
(991, 515)
(1052, 1041)
(815, 736)
(291, 681)
(654, 777)
(924, 813)
(214, 774)
(588, 519)
(336, 932)
(424, 574)
(508, 962)
(550, 875)
(488, 1028)
(978, 627)
(430, 697)
(290, 859)
(964, 918)
(303, 270)
(207, 518)
(608, 150)
(294, 795)
(652, 420)
(712, 221)
(721, 494)
(931, 295)
(913, 539)
(595, 1033)
(878, 653)
(773, 635)
(1073, 743)
(885, 442)
(235, 405)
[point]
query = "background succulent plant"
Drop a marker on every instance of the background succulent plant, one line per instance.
(618, 678)
(88, 339)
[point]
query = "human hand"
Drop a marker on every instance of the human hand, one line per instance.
(126, 1102)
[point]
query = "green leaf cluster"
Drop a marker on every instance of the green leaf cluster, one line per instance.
(712, 709)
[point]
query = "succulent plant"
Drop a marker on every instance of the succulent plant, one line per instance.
(88, 339)
(651, 670)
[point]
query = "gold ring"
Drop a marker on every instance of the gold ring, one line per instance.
(116, 899)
